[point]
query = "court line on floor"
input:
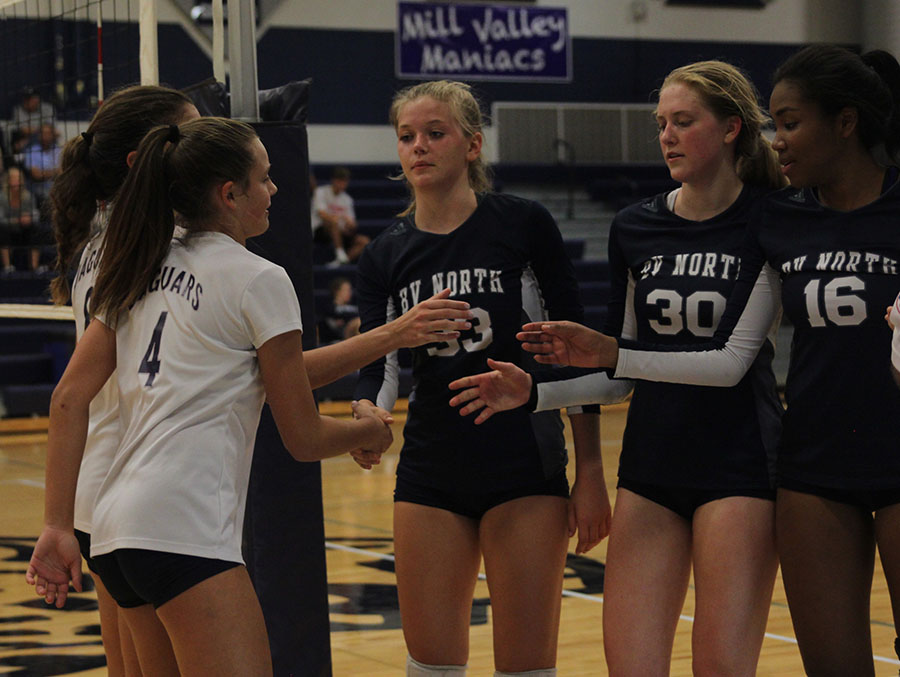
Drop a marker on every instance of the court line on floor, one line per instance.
(578, 595)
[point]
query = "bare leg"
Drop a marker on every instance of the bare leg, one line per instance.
(648, 565)
(151, 642)
(129, 650)
(217, 628)
(524, 543)
(887, 533)
(110, 630)
(827, 552)
(437, 561)
(734, 572)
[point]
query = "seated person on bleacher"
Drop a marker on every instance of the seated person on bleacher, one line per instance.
(341, 320)
(334, 219)
(19, 220)
(41, 161)
(27, 118)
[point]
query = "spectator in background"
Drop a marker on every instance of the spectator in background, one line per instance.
(41, 161)
(334, 220)
(19, 222)
(341, 319)
(27, 118)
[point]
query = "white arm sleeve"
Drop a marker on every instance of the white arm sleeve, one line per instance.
(724, 366)
(596, 388)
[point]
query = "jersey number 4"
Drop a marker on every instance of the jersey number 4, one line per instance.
(150, 363)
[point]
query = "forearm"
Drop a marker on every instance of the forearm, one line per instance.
(327, 364)
(333, 437)
(67, 433)
(577, 386)
(586, 442)
(721, 362)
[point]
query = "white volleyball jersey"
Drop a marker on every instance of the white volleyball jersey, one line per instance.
(103, 427)
(190, 396)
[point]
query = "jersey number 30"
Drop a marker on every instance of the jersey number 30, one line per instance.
(150, 363)
(673, 319)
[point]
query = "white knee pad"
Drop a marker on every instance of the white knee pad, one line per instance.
(416, 669)
(546, 672)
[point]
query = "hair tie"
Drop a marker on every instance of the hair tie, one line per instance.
(88, 138)
(174, 134)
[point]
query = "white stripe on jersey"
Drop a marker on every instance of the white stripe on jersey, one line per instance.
(390, 385)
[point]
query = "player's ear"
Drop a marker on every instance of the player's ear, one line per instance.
(474, 149)
(225, 193)
(732, 128)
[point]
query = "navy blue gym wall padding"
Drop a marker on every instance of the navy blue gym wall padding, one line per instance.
(284, 536)
(354, 77)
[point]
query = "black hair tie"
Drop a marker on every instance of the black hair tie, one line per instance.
(88, 138)
(174, 134)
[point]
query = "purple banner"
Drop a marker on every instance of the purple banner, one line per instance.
(482, 42)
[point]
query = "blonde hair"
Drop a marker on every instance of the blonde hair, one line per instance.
(466, 112)
(727, 91)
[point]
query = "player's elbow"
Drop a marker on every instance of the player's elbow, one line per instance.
(67, 398)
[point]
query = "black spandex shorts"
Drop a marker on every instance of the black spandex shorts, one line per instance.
(869, 499)
(683, 501)
(84, 544)
(476, 505)
(137, 577)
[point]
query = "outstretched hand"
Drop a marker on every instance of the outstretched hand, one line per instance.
(505, 387)
(55, 561)
(568, 343)
(434, 319)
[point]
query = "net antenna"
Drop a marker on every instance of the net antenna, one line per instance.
(149, 51)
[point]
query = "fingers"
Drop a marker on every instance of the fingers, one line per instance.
(485, 414)
(465, 396)
(587, 538)
(75, 575)
(572, 519)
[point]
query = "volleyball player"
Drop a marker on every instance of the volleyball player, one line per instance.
(694, 486)
(93, 166)
(202, 331)
(826, 250)
(499, 491)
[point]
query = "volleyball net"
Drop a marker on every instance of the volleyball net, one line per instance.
(68, 53)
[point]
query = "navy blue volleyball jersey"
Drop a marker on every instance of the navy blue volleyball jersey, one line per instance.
(838, 274)
(676, 276)
(508, 262)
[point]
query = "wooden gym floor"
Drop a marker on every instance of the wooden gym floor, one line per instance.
(365, 627)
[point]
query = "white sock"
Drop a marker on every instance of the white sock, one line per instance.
(341, 255)
(546, 672)
(416, 669)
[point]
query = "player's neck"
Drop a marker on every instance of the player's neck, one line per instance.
(702, 201)
(856, 183)
(444, 211)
